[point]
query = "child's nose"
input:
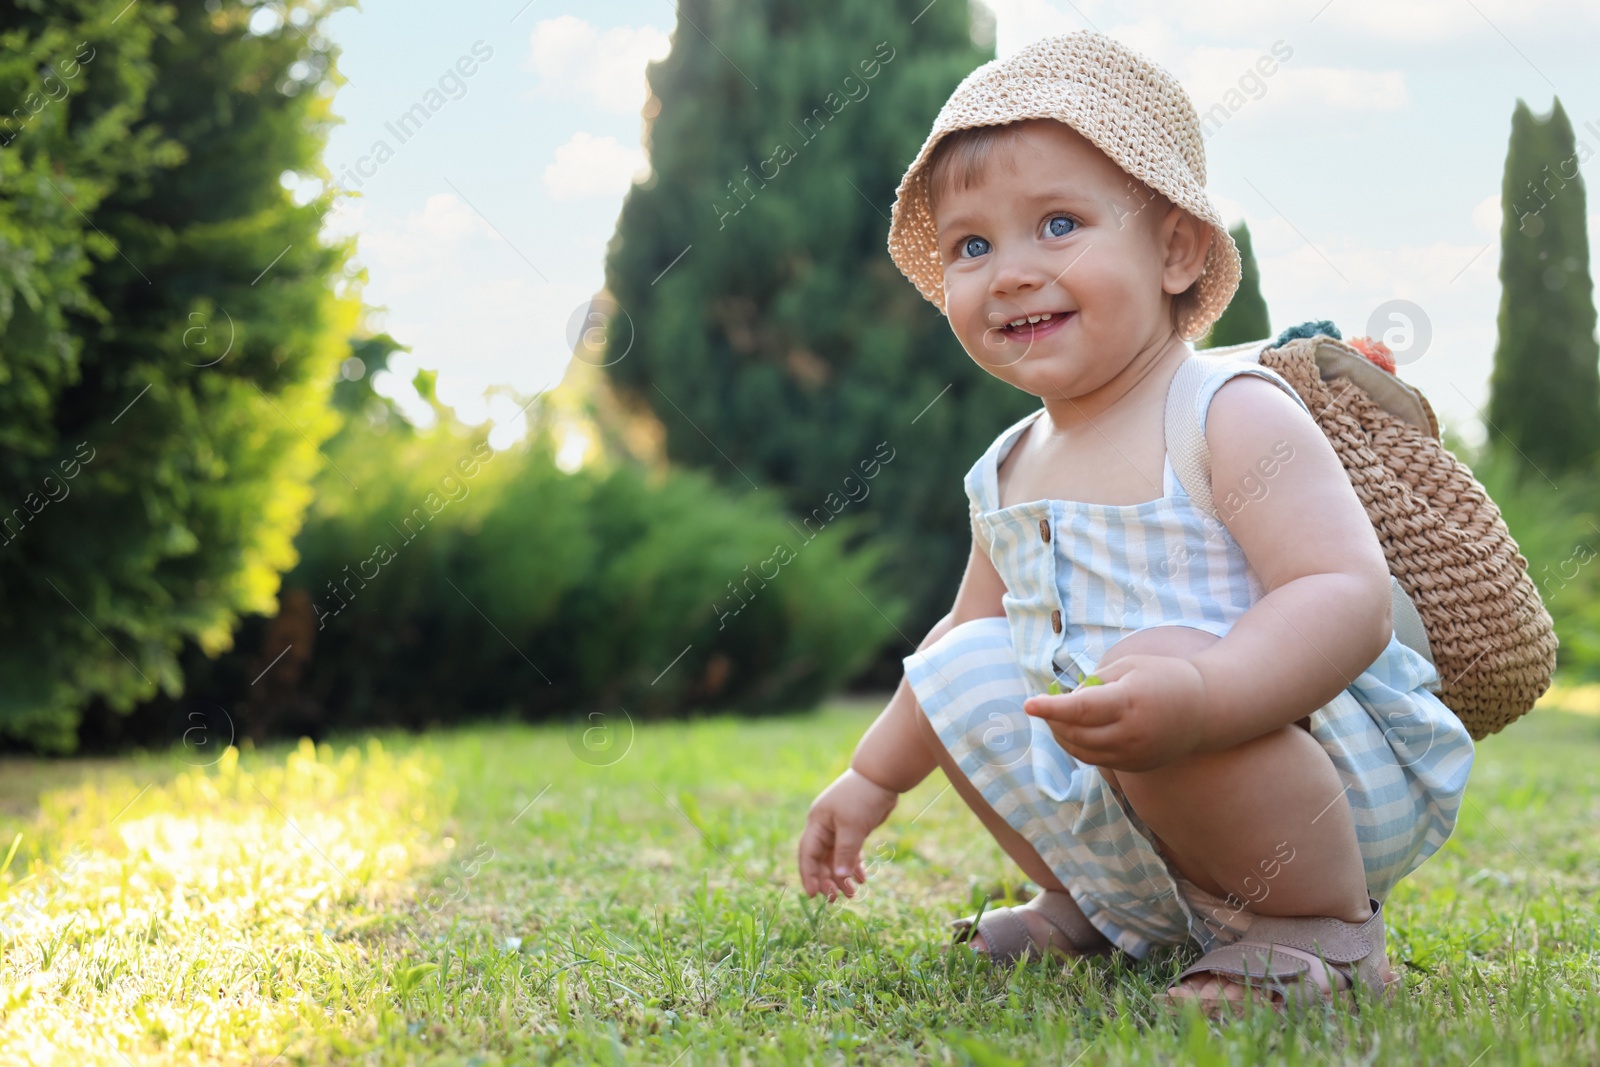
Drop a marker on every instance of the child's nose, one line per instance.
(1018, 273)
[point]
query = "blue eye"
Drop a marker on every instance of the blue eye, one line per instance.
(966, 246)
(1050, 225)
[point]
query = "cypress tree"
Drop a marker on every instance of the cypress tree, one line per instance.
(1245, 318)
(772, 335)
(1544, 392)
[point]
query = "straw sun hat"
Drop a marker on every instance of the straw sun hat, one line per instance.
(1131, 109)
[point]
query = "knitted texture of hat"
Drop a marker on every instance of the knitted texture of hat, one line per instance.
(1126, 106)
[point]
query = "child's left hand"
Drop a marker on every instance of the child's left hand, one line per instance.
(1149, 712)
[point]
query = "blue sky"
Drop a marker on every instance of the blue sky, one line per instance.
(1368, 164)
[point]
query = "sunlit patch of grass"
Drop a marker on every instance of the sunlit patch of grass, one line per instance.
(208, 917)
(1581, 699)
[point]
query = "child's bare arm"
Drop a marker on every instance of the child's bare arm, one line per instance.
(891, 758)
(1326, 615)
(892, 752)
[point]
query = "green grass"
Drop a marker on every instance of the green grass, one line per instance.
(486, 896)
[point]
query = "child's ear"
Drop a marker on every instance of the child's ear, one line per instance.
(1185, 242)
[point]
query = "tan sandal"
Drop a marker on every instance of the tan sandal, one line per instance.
(1296, 961)
(1007, 938)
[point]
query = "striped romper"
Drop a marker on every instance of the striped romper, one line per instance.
(1079, 577)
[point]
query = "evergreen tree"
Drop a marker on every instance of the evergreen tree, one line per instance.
(1245, 318)
(168, 338)
(772, 335)
(1544, 392)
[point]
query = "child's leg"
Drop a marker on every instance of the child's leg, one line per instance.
(1016, 846)
(1228, 819)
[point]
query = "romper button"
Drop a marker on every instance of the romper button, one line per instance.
(1055, 620)
(1044, 530)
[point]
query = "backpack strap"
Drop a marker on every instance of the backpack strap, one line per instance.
(1186, 442)
(1190, 457)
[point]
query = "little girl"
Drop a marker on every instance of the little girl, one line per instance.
(1262, 759)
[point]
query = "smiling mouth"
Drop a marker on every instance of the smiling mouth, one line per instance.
(1032, 324)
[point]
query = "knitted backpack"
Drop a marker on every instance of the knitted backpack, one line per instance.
(1462, 595)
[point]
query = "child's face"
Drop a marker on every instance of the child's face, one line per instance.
(1053, 225)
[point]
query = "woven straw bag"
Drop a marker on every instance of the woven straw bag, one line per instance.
(1461, 591)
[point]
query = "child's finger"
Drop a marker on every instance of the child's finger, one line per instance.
(1060, 709)
(1093, 755)
(817, 880)
(1096, 705)
(847, 855)
(815, 845)
(1111, 748)
(1090, 757)
(1096, 745)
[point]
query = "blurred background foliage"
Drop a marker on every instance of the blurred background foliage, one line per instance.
(1245, 318)
(794, 343)
(166, 305)
(208, 510)
(1545, 385)
(459, 581)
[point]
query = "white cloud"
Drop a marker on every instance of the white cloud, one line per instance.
(605, 65)
(1231, 210)
(1342, 88)
(589, 166)
(1486, 215)
(1183, 20)
(1455, 283)
(1347, 261)
(1424, 22)
(470, 306)
(1209, 74)
(1018, 23)
(443, 223)
(1412, 23)
(1219, 75)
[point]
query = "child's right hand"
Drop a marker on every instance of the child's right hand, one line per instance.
(838, 823)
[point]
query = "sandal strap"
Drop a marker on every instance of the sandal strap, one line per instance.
(1333, 939)
(1005, 936)
(1253, 962)
(1009, 939)
(1345, 948)
(1062, 912)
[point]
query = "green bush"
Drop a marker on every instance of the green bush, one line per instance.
(162, 392)
(461, 581)
(1556, 523)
